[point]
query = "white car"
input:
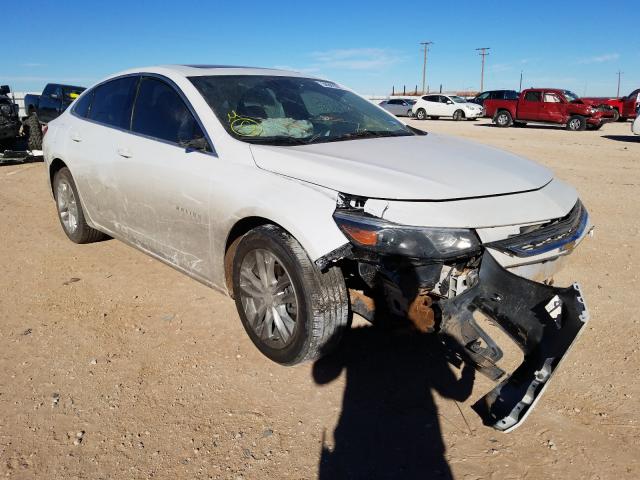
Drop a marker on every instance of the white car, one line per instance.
(437, 105)
(635, 126)
(306, 203)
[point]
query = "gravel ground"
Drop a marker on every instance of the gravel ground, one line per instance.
(113, 365)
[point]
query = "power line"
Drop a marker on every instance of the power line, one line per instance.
(425, 46)
(482, 51)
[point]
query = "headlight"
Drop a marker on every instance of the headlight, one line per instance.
(5, 109)
(389, 238)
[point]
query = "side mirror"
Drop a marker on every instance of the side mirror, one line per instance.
(4, 89)
(449, 102)
(55, 96)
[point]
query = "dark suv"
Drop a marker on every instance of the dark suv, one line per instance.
(495, 95)
(9, 120)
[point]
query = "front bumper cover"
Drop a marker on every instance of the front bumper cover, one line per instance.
(542, 320)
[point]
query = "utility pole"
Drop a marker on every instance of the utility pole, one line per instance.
(619, 74)
(520, 89)
(425, 46)
(482, 51)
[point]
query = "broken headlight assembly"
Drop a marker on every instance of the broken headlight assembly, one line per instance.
(381, 236)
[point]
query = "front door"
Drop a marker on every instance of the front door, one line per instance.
(164, 186)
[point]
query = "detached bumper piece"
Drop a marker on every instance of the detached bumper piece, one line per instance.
(542, 320)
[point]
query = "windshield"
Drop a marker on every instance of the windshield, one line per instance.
(289, 110)
(570, 96)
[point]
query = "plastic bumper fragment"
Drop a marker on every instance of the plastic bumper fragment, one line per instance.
(542, 320)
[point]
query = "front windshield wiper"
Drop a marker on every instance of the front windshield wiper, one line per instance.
(362, 134)
(275, 140)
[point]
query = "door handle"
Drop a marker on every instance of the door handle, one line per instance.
(75, 136)
(124, 152)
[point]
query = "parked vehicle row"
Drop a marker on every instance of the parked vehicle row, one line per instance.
(388, 221)
(547, 105)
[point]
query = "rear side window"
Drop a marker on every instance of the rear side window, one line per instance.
(159, 112)
(533, 96)
(510, 95)
(112, 102)
(82, 106)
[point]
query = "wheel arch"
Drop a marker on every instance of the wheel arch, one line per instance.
(57, 164)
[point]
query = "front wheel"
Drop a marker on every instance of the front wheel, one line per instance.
(576, 123)
(421, 114)
(616, 115)
(458, 115)
(291, 311)
(503, 119)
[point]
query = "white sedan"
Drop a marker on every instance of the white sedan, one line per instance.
(306, 203)
(437, 105)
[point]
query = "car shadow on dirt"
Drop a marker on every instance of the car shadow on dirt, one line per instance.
(623, 138)
(389, 426)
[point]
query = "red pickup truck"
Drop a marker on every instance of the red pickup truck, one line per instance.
(623, 108)
(548, 105)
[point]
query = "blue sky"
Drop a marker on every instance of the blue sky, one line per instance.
(572, 44)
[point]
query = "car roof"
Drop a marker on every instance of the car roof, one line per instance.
(202, 70)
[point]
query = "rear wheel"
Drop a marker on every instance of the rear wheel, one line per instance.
(70, 210)
(291, 311)
(421, 114)
(576, 123)
(458, 115)
(34, 132)
(503, 119)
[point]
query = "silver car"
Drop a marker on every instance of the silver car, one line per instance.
(400, 107)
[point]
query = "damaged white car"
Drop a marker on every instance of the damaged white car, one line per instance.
(306, 203)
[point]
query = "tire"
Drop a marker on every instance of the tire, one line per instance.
(34, 132)
(307, 327)
(503, 119)
(576, 123)
(409, 113)
(458, 115)
(616, 115)
(434, 118)
(421, 114)
(67, 200)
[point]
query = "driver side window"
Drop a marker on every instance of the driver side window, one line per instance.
(161, 113)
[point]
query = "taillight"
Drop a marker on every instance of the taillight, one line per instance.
(44, 129)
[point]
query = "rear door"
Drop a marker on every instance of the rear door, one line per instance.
(530, 105)
(432, 105)
(103, 117)
(164, 187)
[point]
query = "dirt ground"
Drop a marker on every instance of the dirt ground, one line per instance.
(113, 365)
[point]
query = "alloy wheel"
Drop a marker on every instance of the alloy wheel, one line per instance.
(268, 298)
(67, 206)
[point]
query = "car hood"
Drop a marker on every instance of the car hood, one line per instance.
(429, 167)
